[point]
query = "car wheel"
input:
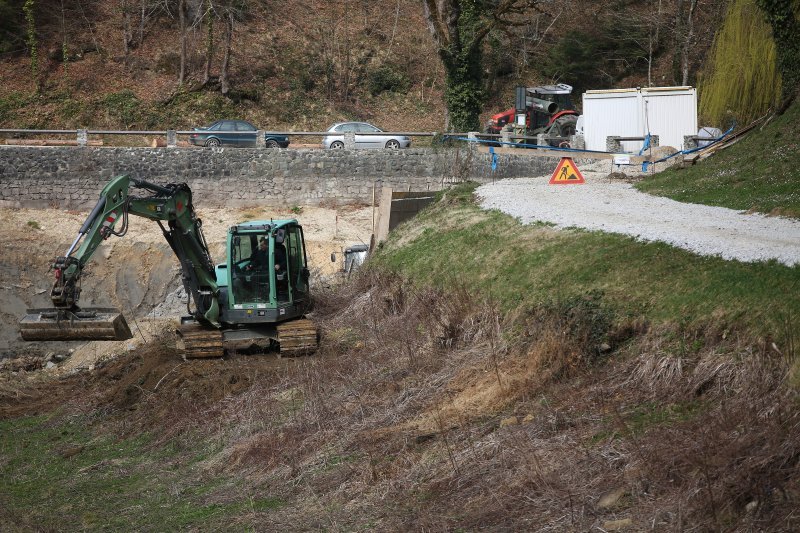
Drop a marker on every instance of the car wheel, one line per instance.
(393, 144)
(212, 142)
(337, 145)
(272, 143)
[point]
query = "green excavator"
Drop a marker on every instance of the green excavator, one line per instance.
(256, 299)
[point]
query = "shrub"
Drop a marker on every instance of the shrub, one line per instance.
(124, 107)
(386, 78)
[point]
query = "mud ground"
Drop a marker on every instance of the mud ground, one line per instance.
(136, 273)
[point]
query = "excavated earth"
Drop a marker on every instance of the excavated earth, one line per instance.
(137, 274)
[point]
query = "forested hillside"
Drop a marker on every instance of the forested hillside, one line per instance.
(141, 64)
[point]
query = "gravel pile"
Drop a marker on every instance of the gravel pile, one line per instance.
(613, 205)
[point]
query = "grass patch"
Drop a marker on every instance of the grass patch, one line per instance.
(758, 173)
(60, 475)
(643, 417)
(524, 266)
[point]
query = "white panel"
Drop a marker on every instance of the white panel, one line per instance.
(671, 116)
(670, 113)
(609, 114)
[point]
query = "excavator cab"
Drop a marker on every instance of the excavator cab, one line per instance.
(264, 290)
(266, 272)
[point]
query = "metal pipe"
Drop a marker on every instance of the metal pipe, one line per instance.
(101, 203)
(142, 184)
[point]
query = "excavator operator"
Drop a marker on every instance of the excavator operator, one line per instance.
(259, 259)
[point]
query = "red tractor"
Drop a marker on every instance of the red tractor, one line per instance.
(548, 109)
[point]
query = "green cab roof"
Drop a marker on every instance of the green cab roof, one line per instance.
(261, 225)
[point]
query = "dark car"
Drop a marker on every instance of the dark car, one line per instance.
(234, 133)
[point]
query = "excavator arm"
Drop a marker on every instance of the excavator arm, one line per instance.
(171, 207)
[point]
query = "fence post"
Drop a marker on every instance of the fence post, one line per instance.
(349, 140)
(260, 139)
(83, 137)
(473, 139)
(172, 139)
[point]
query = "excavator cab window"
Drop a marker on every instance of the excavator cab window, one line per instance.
(251, 274)
(296, 259)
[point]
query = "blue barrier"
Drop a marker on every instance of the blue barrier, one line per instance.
(645, 146)
(523, 145)
(645, 164)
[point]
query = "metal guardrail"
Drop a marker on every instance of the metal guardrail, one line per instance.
(81, 136)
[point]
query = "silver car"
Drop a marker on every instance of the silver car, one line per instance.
(386, 140)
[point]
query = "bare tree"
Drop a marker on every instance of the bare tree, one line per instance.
(208, 16)
(127, 33)
(182, 8)
(227, 44)
(683, 32)
(687, 42)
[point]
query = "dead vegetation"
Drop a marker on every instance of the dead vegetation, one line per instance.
(427, 409)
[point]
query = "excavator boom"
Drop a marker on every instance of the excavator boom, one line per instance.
(172, 204)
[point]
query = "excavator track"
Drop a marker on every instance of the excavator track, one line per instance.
(196, 341)
(298, 337)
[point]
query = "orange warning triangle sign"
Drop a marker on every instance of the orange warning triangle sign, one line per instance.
(566, 172)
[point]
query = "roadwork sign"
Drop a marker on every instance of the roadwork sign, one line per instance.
(566, 172)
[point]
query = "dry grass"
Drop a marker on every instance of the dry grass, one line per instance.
(397, 423)
(431, 410)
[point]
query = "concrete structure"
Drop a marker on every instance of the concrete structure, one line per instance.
(669, 112)
(72, 177)
(614, 144)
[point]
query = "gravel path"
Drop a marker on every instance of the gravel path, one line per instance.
(614, 206)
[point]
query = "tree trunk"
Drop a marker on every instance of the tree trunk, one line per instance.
(228, 38)
(464, 92)
(209, 16)
(182, 25)
(126, 30)
(687, 43)
(458, 34)
(142, 13)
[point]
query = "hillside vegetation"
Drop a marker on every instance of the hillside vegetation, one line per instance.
(758, 173)
(302, 65)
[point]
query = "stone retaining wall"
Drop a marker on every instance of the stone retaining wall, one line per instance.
(71, 177)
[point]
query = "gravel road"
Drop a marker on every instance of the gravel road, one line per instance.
(613, 205)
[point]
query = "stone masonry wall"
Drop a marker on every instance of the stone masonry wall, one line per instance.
(71, 177)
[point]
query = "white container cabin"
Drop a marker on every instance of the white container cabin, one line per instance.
(669, 112)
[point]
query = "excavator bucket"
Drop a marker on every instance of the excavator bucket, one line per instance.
(89, 324)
